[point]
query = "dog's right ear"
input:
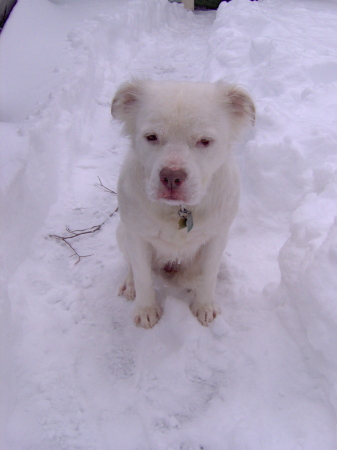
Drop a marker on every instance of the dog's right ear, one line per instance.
(125, 100)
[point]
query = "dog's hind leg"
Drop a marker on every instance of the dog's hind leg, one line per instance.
(128, 287)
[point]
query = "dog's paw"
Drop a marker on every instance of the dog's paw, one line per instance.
(128, 290)
(205, 313)
(147, 317)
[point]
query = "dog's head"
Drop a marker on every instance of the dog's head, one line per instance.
(181, 132)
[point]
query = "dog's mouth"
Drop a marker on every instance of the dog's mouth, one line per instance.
(171, 196)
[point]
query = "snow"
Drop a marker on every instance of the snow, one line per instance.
(76, 373)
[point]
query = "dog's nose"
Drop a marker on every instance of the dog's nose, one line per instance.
(172, 179)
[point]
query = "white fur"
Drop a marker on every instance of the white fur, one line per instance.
(184, 117)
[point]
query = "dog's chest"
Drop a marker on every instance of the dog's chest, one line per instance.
(171, 243)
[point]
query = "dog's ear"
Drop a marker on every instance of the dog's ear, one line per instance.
(239, 104)
(125, 100)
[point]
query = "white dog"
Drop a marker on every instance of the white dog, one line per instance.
(178, 188)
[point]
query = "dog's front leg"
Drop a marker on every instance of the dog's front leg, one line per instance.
(204, 306)
(147, 312)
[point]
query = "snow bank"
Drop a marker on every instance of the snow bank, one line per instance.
(308, 265)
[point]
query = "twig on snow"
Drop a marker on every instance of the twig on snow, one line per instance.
(107, 189)
(77, 233)
(64, 239)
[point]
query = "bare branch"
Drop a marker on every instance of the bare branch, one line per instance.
(107, 189)
(77, 233)
(64, 239)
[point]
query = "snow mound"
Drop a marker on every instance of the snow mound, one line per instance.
(308, 266)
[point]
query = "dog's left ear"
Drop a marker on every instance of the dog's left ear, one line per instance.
(239, 104)
(125, 100)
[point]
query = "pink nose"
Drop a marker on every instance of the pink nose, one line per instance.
(172, 179)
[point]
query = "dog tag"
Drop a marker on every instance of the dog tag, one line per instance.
(186, 219)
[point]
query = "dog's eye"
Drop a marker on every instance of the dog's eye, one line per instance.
(151, 137)
(204, 142)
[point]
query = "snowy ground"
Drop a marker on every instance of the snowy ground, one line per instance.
(76, 373)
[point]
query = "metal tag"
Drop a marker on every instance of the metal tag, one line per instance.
(186, 219)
